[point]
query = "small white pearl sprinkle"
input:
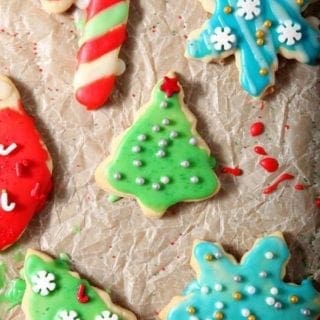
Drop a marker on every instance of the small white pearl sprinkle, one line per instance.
(263, 274)
(193, 318)
(165, 122)
(173, 134)
(160, 154)
(205, 290)
(136, 149)
(270, 301)
(164, 180)
(163, 104)
(251, 290)
(163, 143)
(278, 305)
(185, 164)
(269, 255)
(156, 186)
(219, 305)
(140, 181)
(306, 312)
(193, 141)
(218, 255)
(142, 137)
(274, 291)
(156, 128)
(237, 278)
(194, 179)
(245, 312)
(137, 163)
(218, 287)
(117, 176)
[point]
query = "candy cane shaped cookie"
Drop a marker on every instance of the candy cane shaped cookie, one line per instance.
(98, 64)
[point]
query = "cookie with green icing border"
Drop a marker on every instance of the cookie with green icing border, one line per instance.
(161, 159)
(250, 290)
(53, 292)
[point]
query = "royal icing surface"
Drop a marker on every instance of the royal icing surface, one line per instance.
(161, 160)
(256, 31)
(251, 290)
(25, 170)
(55, 293)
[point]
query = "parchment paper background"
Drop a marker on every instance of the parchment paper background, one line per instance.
(146, 262)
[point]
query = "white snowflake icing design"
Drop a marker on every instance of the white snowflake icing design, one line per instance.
(248, 9)
(223, 39)
(289, 32)
(107, 315)
(68, 315)
(43, 282)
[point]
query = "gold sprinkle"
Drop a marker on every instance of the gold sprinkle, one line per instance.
(218, 315)
(264, 71)
(208, 257)
(300, 2)
(260, 34)
(237, 295)
(227, 9)
(191, 310)
(260, 42)
(294, 299)
(267, 24)
(251, 317)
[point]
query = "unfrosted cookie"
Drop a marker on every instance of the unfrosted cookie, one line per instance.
(161, 159)
(53, 292)
(255, 31)
(252, 289)
(25, 166)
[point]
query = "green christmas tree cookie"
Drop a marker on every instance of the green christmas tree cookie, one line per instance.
(161, 159)
(53, 292)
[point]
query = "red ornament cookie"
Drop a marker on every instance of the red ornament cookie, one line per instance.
(25, 166)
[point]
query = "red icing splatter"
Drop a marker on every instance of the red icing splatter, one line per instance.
(81, 294)
(299, 187)
(19, 171)
(260, 150)
(233, 171)
(257, 129)
(273, 187)
(170, 86)
(269, 164)
(317, 202)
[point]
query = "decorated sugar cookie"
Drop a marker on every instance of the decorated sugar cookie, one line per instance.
(255, 31)
(103, 31)
(161, 160)
(53, 292)
(25, 166)
(252, 289)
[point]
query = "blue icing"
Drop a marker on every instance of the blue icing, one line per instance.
(258, 279)
(252, 57)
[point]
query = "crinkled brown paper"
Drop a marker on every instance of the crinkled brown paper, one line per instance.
(145, 262)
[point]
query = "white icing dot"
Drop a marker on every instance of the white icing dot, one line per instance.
(278, 305)
(245, 312)
(163, 143)
(270, 301)
(173, 134)
(156, 186)
(137, 163)
(269, 255)
(160, 153)
(251, 290)
(263, 274)
(163, 104)
(306, 312)
(165, 121)
(136, 149)
(156, 128)
(193, 141)
(194, 179)
(218, 255)
(117, 175)
(140, 181)
(218, 287)
(205, 290)
(237, 278)
(274, 291)
(193, 318)
(142, 137)
(185, 164)
(165, 180)
(219, 305)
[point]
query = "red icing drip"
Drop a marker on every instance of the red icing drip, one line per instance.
(170, 86)
(257, 129)
(97, 6)
(273, 187)
(94, 95)
(233, 171)
(269, 164)
(317, 202)
(31, 160)
(299, 187)
(81, 294)
(260, 150)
